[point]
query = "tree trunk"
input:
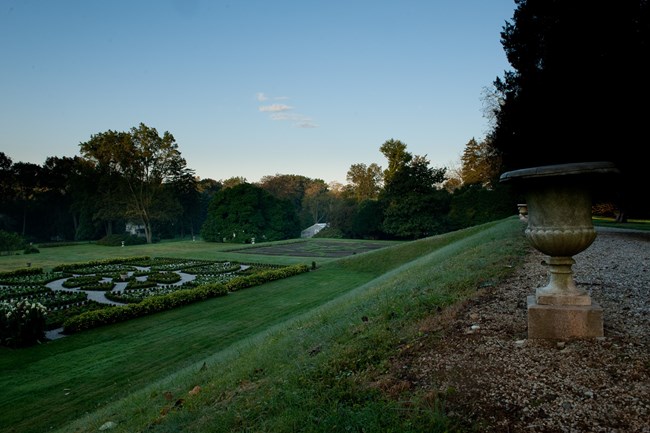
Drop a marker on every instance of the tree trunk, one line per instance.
(147, 231)
(24, 220)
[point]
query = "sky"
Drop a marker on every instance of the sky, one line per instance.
(251, 88)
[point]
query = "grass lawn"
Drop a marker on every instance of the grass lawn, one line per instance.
(292, 252)
(630, 225)
(317, 248)
(286, 355)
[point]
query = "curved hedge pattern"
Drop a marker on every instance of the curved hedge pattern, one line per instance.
(155, 304)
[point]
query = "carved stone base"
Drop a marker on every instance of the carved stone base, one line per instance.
(564, 322)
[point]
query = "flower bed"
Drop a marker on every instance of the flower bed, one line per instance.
(157, 292)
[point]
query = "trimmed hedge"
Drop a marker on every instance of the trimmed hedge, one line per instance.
(84, 280)
(116, 261)
(22, 323)
(155, 304)
(264, 277)
(107, 316)
(119, 240)
(21, 272)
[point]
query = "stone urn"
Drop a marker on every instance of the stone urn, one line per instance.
(558, 200)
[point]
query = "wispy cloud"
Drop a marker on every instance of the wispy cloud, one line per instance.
(283, 112)
(298, 120)
(274, 108)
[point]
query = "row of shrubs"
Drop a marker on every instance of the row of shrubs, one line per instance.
(115, 314)
(114, 261)
(22, 323)
(122, 239)
(21, 272)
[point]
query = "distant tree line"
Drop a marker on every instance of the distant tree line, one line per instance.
(136, 177)
(409, 199)
(139, 179)
(577, 92)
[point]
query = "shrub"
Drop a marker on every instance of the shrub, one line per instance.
(83, 280)
(118, 260)
(9, 242)
(31, 249)
(155, 304)
(21, 272)
(21, 323)
(164, 277)
(116, 240)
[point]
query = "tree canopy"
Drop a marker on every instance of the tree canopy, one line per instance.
(245, 212)
(578, 90)
(414, 205)
(365, 180)
(480, 164)
(144, 166)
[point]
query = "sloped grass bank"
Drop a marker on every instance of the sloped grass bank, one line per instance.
(328, 368)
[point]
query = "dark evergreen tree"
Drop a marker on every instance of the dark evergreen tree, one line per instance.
(368, 221)
(246, 211)
(414, 206)
(579, 87)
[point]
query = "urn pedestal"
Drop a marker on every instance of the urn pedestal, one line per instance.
(558, 200)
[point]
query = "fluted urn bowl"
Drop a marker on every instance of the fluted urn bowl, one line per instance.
(558, 198)
(559, 219)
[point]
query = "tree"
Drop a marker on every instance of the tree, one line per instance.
(315, 204)
(368, 221)
(59, 176)
(233, 181)
(397, 156)
(206, 188)
(481, 164)
(578, 90)
(414, 206)
(472, 205)
(6, 183)
(185, 189)
(145, 163)
(90, 187)
(365, 181)
(6, 191)
(246, 211)
(28, 178)
(294, 188)
(10, 242)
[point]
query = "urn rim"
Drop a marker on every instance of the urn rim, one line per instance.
(555, 170)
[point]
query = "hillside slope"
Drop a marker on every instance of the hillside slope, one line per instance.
(327, 369)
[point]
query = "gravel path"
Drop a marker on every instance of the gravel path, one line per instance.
(100, 296)
(491, 375)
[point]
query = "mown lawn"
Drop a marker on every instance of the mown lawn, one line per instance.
(85, 371)
(293, 355)
(292, 252)
(632, 224)
(45, 386)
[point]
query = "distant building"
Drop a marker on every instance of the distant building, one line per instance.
(311, 231)
(135, 229)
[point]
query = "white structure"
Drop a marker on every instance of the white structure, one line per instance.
(311, 231)
(135, 229)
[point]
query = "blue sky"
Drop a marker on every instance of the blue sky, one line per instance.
(251, 88)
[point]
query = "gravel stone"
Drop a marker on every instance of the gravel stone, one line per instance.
(490, 375)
